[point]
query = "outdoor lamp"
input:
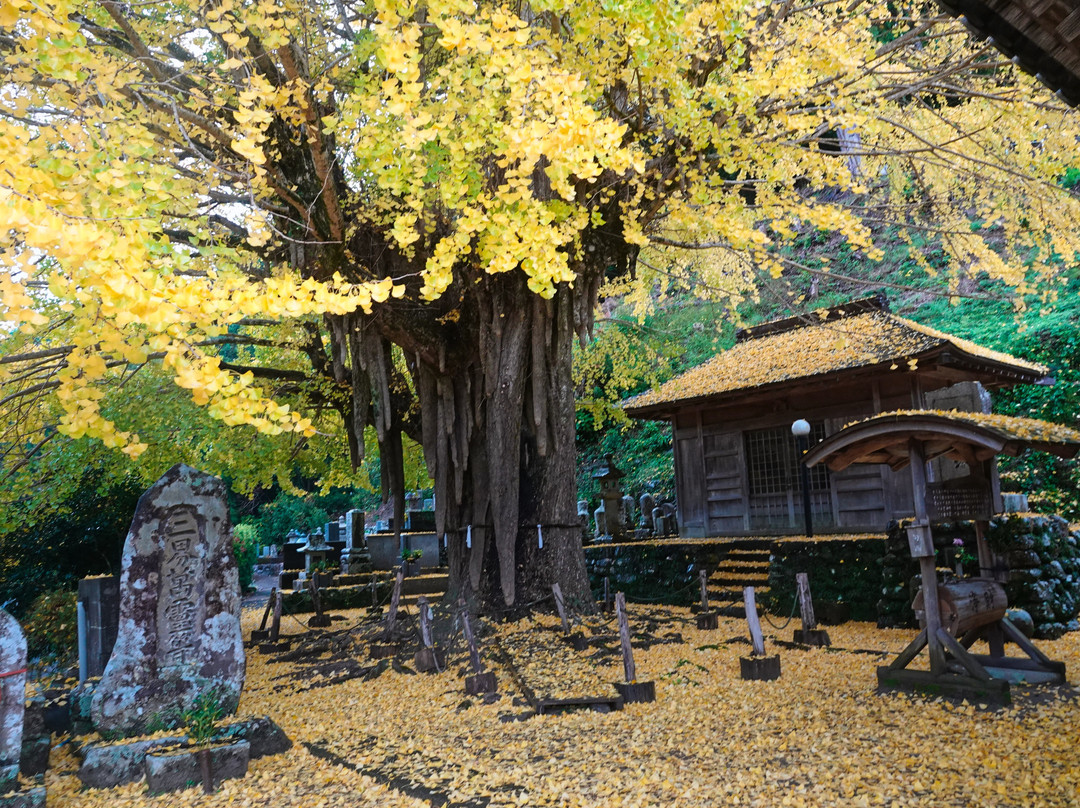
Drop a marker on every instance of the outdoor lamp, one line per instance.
(801, 430)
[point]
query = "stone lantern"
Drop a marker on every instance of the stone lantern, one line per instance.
(611, 494)
(315, 550)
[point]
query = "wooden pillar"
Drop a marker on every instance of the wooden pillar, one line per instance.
(806, 603)
(753, 622)
(395, 598)
(922, 549)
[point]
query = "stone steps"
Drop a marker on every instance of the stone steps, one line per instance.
(746, 563)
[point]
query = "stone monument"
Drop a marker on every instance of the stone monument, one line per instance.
(12, 698)
(355, 558)
(179, 608)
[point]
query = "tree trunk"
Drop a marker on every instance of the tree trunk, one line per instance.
(497, 426)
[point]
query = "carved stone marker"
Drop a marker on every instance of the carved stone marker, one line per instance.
(179, 608)
(12, 698)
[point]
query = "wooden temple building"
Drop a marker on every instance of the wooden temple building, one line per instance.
(736, 464)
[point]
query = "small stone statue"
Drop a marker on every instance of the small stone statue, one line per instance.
(647, 503)
(600, 515)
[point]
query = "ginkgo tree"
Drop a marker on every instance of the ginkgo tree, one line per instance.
(405, 208)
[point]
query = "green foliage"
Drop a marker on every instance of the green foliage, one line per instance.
(246, 543)
(625, 359)
(308, 512)
(51, 627)
(840, 571)
(81, 533)
(201, 721)
(411, 555)
(1050, 335)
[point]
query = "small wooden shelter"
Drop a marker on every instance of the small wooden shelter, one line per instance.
(954, 616)
(736, 466)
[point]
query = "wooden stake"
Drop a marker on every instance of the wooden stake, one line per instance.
(395, 598)
(275, 626)
(269, 606)
(561, 607)
(607, 590)
(703, 577)
(624, 638)
(316, 600)
(470, 639)
(806, 603)
(425, 621)
(752, 620)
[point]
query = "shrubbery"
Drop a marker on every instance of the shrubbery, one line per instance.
(51, 627)
(246, 543)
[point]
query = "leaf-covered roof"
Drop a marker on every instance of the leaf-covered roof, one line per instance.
(964, 436)
(826, 344)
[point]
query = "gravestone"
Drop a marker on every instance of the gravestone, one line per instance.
(179, 629)
(355, 558)
(99, 605)
(12, 698)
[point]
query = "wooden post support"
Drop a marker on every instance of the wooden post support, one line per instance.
(374, 592)
(624, 638)
(576, 639)
(706, 620)
(758, 666)
(395, 599)
(480, 682)
(809, 634)
(631, 690)
(275, 626)
(606, 606)
(428, 659)
(560, 606)
(261, 634)
(425, 621)
(756, 639)
(319, 620)
(274, 642)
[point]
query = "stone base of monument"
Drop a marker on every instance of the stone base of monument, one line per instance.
(760, 668)
(175, 769)
(12, 796)
(259, 635)
(430, 660)
(708, 621)
(816, 637)
(633, 692)
(481, 683)
(105, 765)
(319, 621)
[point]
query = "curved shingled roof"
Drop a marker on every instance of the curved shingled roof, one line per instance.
(963, 436)
(787, 351)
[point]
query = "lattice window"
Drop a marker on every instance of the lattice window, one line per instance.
(772, 463)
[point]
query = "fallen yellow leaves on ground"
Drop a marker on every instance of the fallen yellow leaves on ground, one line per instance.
(818, 736)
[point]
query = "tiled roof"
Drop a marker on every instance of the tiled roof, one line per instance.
(815, 348)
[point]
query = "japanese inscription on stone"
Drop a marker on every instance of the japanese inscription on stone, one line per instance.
(179, 612)
(179, 631)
